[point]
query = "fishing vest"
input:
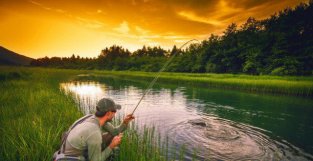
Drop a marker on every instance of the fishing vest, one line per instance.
(59, 155)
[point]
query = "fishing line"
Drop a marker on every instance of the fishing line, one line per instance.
(159, 73)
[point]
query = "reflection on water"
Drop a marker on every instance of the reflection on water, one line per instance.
(87, 94)
(221, 125)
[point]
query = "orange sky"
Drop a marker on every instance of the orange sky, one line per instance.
(38, 28)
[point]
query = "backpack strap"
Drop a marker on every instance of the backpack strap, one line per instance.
(81, 120)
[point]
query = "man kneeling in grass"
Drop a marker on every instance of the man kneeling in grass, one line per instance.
(90, 137)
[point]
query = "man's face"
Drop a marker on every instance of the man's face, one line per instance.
(111, 114)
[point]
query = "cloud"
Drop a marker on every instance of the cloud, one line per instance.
(94, 24)
(192, 17)
(60, 11)
(95, 12)
(181, 41)
(123, 28)
(153, 44)
(40, 5)
(35, 3)
(134, 22)
(141, 31)
(175, 36)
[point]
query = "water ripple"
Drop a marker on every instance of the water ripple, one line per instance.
(222, 139)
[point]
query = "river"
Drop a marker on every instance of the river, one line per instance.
(221, 124)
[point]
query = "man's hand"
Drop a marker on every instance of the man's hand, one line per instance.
(128, 118)
(116, 141)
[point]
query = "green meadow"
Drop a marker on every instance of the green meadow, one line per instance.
(286, 85)
(35, 112)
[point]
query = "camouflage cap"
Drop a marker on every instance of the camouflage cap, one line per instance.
(107, 104)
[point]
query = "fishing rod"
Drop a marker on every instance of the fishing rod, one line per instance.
(159, 73)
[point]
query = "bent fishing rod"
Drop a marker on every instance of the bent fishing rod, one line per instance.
(159, 73)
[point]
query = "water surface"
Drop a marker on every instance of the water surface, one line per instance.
(220, 124)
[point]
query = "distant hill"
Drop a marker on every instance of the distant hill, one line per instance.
(8, 57)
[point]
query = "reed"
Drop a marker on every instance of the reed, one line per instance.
(35, 112)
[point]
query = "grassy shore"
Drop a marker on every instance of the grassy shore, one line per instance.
(34, 113)
(286, 85)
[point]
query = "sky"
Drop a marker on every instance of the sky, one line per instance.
(39, 28)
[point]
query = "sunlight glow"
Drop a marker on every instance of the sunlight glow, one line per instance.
(39, 28)
(90, 89)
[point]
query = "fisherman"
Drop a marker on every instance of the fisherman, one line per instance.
(93, 137)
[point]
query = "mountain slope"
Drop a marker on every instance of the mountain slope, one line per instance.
(8, 57)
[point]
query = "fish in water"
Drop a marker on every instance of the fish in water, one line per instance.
(198, 122)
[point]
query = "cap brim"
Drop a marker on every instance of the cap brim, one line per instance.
(117, 106)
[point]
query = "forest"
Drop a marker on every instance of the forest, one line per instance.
(279, 45)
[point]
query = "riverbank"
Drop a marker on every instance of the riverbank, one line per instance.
(35, 112)
(285, 85)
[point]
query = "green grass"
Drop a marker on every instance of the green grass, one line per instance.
(147, 146)
(34, 113)
(286, 85)
(142, 146)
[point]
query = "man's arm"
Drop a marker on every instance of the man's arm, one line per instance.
(114, 130)
(122, 127)
(94, 148)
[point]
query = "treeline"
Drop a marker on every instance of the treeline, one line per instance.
(279, 45)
